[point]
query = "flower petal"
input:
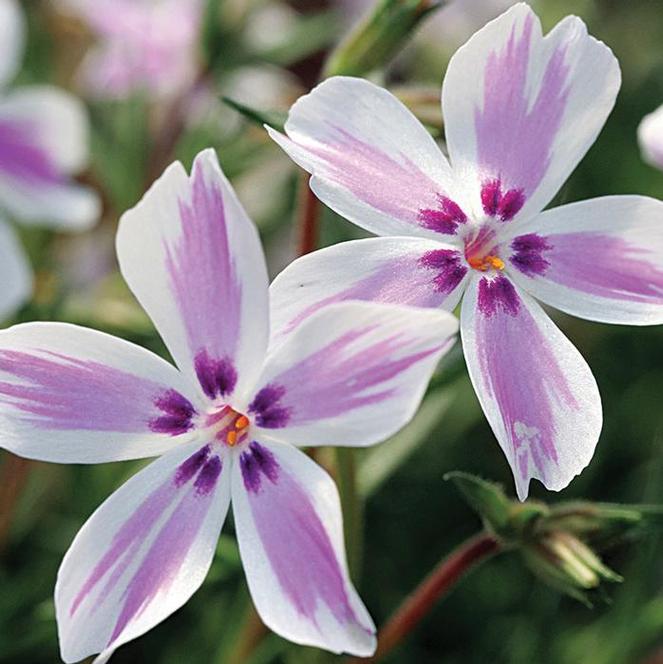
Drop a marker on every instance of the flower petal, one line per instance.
(194, 261)
(600, 259)
(15, 272)
(143, 553)
(398, 270)
(521, 110)
(650, 137)
(43, 139)
(352, 374)
(536, 390)
(12, 40)
(372, 161)
(288, 520)
(73, 395)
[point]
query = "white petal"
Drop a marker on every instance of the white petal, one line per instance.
(143, 553)
(398, 270)
(535, 388)
(43, 139)
(650, 137)
(12, 39)
(194, 261)
(600, 259)
(372, 161)
(73, 395)
(15, 272)
(352, 374)
(521, 110)
(288, 520)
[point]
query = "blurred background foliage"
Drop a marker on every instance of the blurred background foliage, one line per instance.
(265, 54)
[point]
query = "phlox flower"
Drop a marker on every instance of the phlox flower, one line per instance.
(43, 139)
(520, 111)
(147, 46)
(226, 423)
(650, 137)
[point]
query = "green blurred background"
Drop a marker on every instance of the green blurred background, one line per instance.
(266, 54)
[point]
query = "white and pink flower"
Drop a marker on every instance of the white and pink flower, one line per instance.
(227, 423)
(43, 140)
(520, 111)
(148, 46)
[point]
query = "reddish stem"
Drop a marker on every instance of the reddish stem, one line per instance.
(438, 583)
(14, 474)
(309, 212)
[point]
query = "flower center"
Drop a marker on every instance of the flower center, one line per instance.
(485, 263)
(231, 427)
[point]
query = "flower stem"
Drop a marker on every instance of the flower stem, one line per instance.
(438, 583)
(351, 504)
(14, 474)
(309, 213)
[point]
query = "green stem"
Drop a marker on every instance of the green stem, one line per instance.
(351, 504)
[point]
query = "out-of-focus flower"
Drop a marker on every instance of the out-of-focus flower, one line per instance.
(227, 424)
(43, 139)
(520, 111)
(650, 137)
(148, 46)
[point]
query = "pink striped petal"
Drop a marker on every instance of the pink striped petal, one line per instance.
(352, 374)
(521, 110)
(43, 141)
(143, 553)
(73, 395)
(372, 160)
(288, 519)
(600, 259)
(536, 390)
(399, 270)
(193, 259)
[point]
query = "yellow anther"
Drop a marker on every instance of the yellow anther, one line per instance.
(496, 262)
(242, 422)
(231, 438)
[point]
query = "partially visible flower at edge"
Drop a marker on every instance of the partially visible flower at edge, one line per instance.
(650, 138)
(148, 46)
(520, 111)
(227, 423)
(43, 139)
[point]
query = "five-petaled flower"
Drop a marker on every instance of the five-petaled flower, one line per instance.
(43, 138)
(227, 423)
(520, 111)
(145, 46)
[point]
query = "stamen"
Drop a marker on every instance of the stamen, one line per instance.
(485, 263)
(243, 421)
(231, 438)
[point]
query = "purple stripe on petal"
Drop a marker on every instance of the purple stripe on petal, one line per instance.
(521, 373)
(449, 267)
(421, 281)
(515, 133)
(216, 377)
(605, 266)
(164, 559)
(268, 409)
(338, 378)
(528, 254)
(168, 551)
(445, 218)
(393, 185)
(299, 549)
(498, 295)
(179, 414)
(56, 391)
(22, 158)
(204, 279)
(256, 462)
